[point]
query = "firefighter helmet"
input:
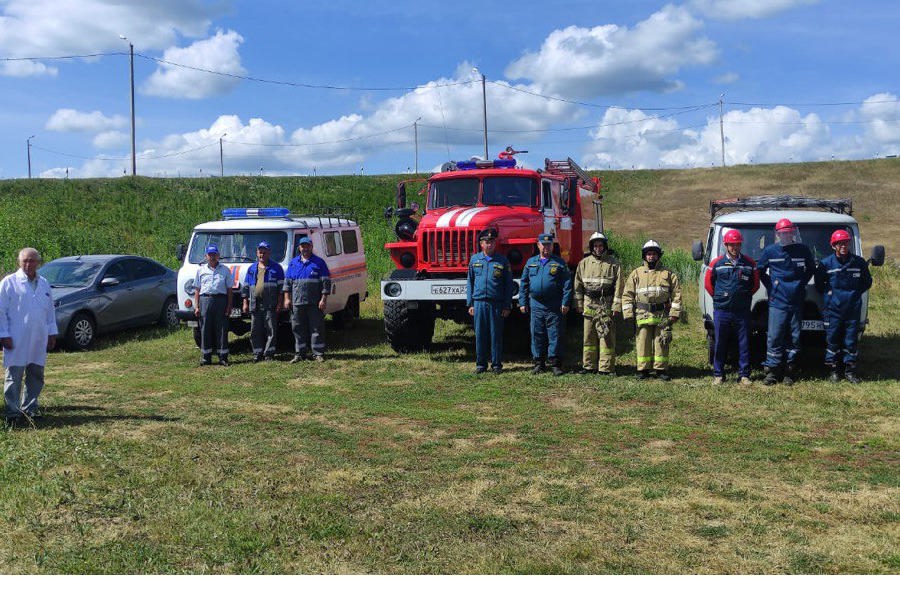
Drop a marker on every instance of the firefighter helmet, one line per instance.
(651, 245)
(733, 236)
(839, 236)
(784, 224)
(597, 237)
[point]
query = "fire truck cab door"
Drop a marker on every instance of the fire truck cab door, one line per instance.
(555, 221)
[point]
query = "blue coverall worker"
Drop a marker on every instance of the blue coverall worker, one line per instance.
(489, 300)
(307, 285)
(545, 293)
(731, 281)
(785, 268)
(262, 293)
(842, 278)
(212, 306)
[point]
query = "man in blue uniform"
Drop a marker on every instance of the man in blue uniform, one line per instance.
(307, 284)
(842, 278)
(545, 293)
(731, 281)
(262, 293)
(489, 298)
(212, 305)
(785, 267)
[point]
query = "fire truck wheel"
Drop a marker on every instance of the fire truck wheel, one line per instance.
(408, 330)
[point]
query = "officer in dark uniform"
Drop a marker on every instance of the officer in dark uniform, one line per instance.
(842, 278)
(262, 293)
(489, 298)
(545, 293)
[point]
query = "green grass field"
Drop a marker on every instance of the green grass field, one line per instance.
(379, 463)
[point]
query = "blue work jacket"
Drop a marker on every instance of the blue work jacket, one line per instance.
(546, 284)
(273, 281)
(490, 279)
(785, 271)
(842, 285)
(732, 283)
(307, 281)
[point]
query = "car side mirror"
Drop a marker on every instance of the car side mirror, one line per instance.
(109, 282)
(877, 258)
(401, 195)
(697, 250)
(180, 251)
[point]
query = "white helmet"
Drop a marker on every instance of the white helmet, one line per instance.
(651, 245)
(597, 237)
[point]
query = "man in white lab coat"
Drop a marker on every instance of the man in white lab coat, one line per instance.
(27, 331)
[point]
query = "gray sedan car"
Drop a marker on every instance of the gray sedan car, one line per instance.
(101, 293)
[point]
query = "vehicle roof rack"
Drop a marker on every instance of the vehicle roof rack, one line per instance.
(842, 206)
(325, 217)
(569, 168)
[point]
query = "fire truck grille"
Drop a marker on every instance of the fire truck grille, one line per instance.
(450, 248)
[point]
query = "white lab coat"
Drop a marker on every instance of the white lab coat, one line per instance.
(28, 317)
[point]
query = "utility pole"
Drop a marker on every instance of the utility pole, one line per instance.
(416, 130)
(28, 142)
(484, 108)
(131, 63)
(222, 156)
(722, 126)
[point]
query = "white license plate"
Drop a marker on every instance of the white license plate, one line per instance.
(448, 290)
(235, 313)
(812, 325)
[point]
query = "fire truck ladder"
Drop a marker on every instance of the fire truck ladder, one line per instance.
(569, 168)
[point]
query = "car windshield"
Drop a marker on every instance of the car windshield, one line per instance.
(816, 236)
(453, 192)
(509, 191)
(69, 273)
(237, 246)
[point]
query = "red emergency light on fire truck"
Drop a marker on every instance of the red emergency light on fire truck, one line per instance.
(436, 242)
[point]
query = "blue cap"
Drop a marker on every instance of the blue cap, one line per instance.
(545, 238)
(212, 249)
(263, 245)
(304, 240)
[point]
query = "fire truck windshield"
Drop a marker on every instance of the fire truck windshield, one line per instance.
(509, 191)
(454, 192)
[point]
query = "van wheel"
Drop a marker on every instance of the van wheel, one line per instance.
(81, 332)
(408, 330)
(196, 335)
(348, 314)
(711, 346)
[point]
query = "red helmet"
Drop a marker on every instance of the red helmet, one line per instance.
(733, 236)
(783, 224)
(839, 236)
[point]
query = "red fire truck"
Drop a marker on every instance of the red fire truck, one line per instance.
(435, 244)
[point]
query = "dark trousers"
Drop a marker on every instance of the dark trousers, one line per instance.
(488, 333)
(547, 329)
(841, 337)
(728, 325)
(263, 332)
(213, 326)
(308, 325)
(783, 337)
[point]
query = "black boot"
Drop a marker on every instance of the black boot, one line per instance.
(791, 374)
(835, 376)
(664, 376)
(850, 374)
(539, 366)
(584, 371)
(556, 365)
(772, 375)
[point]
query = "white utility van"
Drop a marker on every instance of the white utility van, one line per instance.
(336, 239)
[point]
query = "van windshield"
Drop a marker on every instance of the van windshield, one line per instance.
(237, 246)
(816, 236)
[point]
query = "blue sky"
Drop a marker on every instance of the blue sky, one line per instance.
(334, 87)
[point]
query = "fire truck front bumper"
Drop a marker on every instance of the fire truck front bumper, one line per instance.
(432, 290)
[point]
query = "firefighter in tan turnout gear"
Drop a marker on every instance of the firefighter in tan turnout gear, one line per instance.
(652, 296)
(598, 296)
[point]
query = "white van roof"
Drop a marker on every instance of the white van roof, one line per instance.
(304, 222)
(773, 216)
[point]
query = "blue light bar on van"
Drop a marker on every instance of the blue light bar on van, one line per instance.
(500, 163)
(259, 213)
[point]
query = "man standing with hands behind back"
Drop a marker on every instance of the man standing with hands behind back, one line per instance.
(27, 332)
(489, 298)
(307, 284)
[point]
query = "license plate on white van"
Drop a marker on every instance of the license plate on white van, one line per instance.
(812, 325)
(448, 290)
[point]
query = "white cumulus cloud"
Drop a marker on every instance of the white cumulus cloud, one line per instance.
(108, 140)
(611, 59)
(881, 115)
(218, 53)
(71, 120)
(26, 68)
(745, 9)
